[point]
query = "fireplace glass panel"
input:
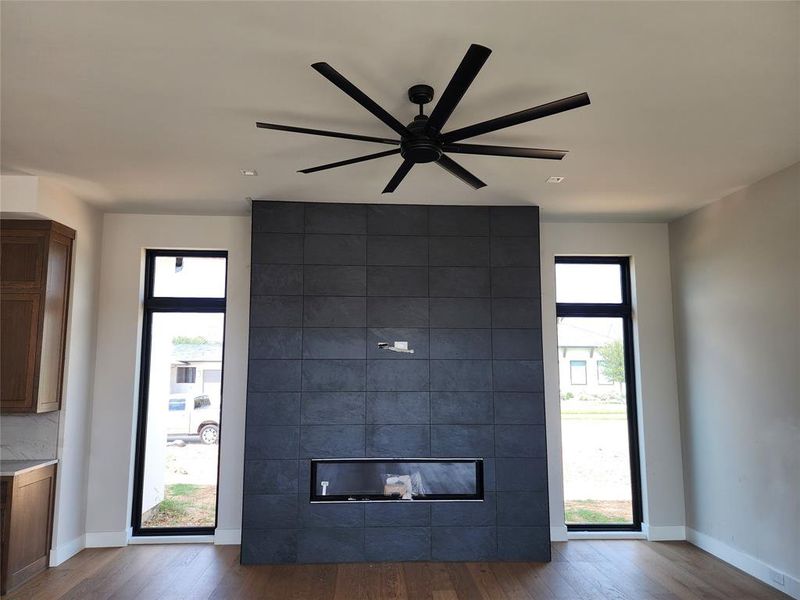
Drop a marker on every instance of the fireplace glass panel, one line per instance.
(396, 479)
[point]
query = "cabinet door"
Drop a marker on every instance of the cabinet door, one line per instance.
(19, 339)
(22, 256)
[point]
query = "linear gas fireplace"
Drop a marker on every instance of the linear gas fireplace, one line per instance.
(396, 479)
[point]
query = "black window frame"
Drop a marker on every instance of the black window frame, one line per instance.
(163, 304)
(624, 311)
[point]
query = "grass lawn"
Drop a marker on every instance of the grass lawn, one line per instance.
(597, 511)
(184, 505)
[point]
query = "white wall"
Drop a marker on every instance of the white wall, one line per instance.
(39, 197)
(660, 449)
(736, 278)
(116, 381)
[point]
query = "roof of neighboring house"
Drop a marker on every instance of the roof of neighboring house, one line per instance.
(209, 352)
(572, 335)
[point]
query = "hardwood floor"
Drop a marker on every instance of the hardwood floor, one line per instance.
(593, 570)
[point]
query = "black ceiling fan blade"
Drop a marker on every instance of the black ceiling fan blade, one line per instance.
(335, 134)
(504, 151)
(405, 167)
(463, 77)
(523, 116)
(350, 161)
(356, 94)
(451, 166)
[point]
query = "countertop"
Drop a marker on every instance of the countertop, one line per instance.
(12, 468)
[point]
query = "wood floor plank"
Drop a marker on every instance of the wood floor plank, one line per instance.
(580, 570)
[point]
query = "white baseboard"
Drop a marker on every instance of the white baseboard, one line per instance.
(664, 533)
(64, 552)
(227, 537)
(558, 533)
(606, 535)
(747, 563)
(106, 539)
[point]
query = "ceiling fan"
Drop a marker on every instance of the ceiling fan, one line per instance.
(422, 140)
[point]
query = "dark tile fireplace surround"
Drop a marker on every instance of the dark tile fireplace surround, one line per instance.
(461, 285)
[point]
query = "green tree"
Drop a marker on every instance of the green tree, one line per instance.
(185, 339)
(613, 364)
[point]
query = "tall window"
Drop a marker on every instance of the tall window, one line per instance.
(602, 487)
(177, 450)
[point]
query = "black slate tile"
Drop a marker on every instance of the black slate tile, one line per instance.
(335, 250)
(270, 546)
(522, 509)
(276, 311)
(334, 280)
(458, 220)
(399, 544)
(276, 280)
(521, 408)
(398, 407)
(401, 250)
(529, 544)
(518, 376)
(461, 375)
(516, 313)
(398, 440)
(331, 311)
(517, 344)
(394, 514)
(515, 252)
(455, 251)
(515, 220)
(521, 474)
(515, 282)
(331, 441)
(459, 282)
(397, 281)
(273, 408)
(417, 338)
(397, 220)
(522, 441)
(273, 376)
(270, 477)
(330, 545)
(462, 441)
(265, 511)
(336, 218)
(271, 441)
(275, 342)
(331, 515)
(462, 407)
(397, 312)
(334, 342)
(461, 343)
(463, 543)
(475, 514)
(460, 312)
(278, 217)
(397, 375)
(333, 375)
(331, 408)
(277, 248)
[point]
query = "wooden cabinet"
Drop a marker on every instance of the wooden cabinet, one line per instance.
(35, 267)
(26, 524)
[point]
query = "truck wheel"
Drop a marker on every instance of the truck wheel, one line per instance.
(209, 434)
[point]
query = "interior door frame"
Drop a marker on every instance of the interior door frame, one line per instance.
(159, 304)
(624, 311)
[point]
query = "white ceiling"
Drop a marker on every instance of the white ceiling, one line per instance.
(150, 107)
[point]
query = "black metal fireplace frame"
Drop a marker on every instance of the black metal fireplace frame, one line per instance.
(478, 496)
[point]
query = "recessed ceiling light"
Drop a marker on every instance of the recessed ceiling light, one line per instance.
(555, 179)
(248, 172)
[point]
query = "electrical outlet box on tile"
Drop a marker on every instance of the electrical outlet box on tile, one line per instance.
(461, 285)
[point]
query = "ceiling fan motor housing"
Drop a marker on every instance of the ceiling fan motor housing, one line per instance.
(420, 147)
